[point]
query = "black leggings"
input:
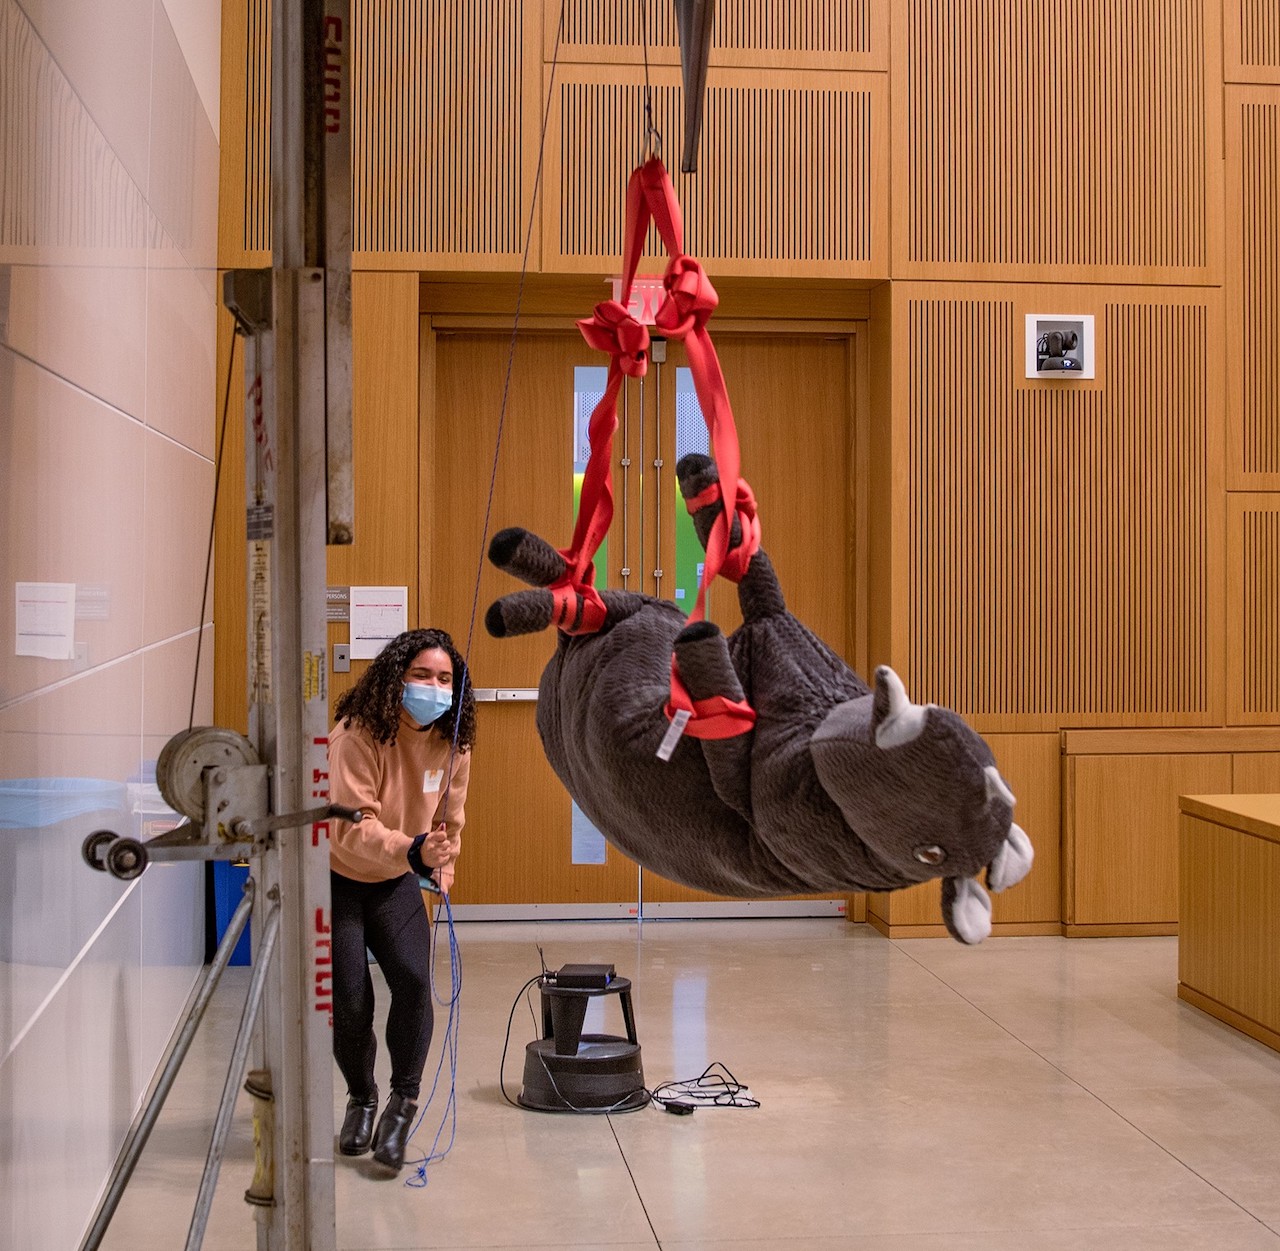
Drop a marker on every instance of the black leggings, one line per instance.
(390, 920)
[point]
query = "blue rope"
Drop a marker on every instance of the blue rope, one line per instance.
(449, 1116)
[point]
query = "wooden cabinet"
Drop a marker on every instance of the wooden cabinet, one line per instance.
(1029, 764)
(1229, 941)
(1121, 827)
(1120, 793)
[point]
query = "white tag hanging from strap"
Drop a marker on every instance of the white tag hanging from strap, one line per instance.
(672, 736)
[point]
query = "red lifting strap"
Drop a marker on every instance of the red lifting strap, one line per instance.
(691, 299)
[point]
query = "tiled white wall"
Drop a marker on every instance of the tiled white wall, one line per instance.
(108, 201)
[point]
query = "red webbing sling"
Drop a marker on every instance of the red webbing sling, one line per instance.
(690, 301)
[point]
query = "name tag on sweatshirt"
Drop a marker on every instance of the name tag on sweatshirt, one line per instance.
(431, 781)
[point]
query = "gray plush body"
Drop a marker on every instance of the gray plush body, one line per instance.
(837, 788)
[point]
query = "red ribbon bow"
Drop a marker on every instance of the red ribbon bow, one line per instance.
(691, 299)
(612, 329)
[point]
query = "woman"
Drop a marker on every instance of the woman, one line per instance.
(393, 755)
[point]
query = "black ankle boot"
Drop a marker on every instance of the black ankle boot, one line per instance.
(357, 1125)
(392, 1134)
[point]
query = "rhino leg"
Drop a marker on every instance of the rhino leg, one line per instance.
(759, 592)
(702, 656)
(522, 612)
(524, 555)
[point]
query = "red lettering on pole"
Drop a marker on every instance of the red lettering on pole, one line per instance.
(334, 65)
(260, 424)
(322, 955)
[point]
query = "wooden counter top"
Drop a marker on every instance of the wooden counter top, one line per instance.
(1254, 814)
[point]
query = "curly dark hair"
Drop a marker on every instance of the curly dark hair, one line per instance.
(374, 701)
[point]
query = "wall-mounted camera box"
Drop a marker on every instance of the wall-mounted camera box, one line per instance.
(1059, 345)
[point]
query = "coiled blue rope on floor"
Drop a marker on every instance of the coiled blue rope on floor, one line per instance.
(448, 1051)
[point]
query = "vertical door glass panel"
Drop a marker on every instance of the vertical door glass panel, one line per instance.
(691, 436)
(589, 382)
(589, 846)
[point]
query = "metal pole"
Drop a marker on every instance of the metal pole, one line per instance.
(306, 379)
(235, 1075)
(143, 1126)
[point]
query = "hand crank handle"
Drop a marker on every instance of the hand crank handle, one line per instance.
(292, 820)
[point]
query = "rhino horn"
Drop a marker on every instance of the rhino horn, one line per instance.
(895, 718)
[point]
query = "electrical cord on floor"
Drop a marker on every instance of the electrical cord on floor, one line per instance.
(715, 1087)
(449, 1048)
(506, 1042)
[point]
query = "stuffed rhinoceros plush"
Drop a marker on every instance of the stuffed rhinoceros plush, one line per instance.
(836, 788)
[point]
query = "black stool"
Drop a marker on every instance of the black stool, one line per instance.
(568, 1071)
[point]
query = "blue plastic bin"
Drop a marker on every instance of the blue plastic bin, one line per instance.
(228, 891)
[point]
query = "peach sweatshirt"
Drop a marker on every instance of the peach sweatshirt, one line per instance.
(401, 788)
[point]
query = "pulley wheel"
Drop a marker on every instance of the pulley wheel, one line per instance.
(93, 849)
(180, 769)
(126, 859)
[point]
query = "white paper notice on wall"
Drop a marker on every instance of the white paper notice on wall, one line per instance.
(45, 615)
(378, 614)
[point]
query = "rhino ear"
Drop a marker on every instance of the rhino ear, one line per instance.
(997, 787)
(895, 719)
(966, 909)
(1013, 861)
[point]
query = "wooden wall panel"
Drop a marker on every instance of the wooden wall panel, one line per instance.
(808, 34)
(1077, 145)
(230, 591)
(1253, 287)
(1255, 773)
(384, 356)
(792, 172)
(1253, 609)
(1251, 41)
(1030, 763)
(1060, 561)
(385, 435)
(1120, 837)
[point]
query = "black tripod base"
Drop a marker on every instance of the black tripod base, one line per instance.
(604, 1075)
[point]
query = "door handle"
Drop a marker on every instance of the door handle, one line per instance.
(504, 694)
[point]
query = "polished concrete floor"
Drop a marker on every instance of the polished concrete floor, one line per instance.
(1030, 1094)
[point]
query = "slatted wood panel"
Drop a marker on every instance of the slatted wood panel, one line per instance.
(1253, 609)
(257, 129)
(1062, 557)
(1077, 143)
(62, 187)
(791, 178)
(1253, 286)
(808, 34)
(440, 127)
(1251, 41)
(445, 120)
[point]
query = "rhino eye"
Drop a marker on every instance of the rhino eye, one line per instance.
(933, 854)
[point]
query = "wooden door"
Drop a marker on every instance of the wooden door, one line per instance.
(792, 400)
(519, 840)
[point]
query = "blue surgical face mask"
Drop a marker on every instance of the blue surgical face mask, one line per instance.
(425, 702)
